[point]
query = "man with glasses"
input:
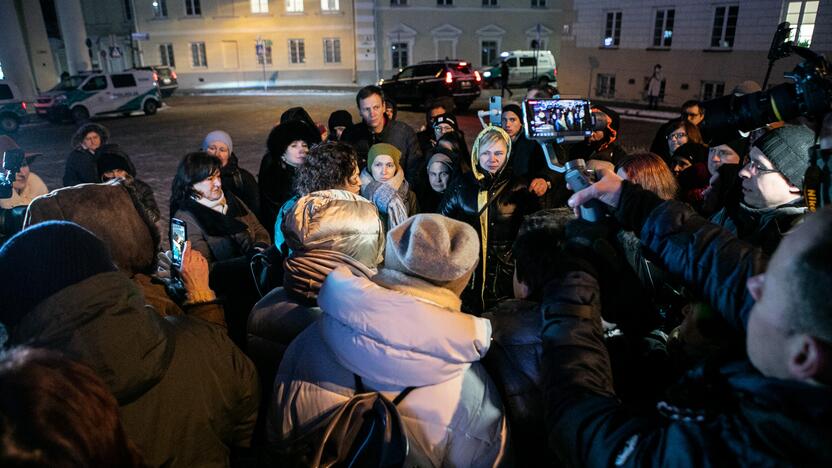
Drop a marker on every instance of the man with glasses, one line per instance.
(772, 180)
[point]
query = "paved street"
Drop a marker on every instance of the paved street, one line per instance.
(156, 143)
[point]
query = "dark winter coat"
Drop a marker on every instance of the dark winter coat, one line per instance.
(80, 168)
(396, 133)
(514, 362)
(528, 160)
(727, 415)
(241, 183)
(498, 228)
(764, 227)
(276, 187)
(186, 392)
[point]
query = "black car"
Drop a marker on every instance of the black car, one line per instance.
(417, 84)
(166, 77)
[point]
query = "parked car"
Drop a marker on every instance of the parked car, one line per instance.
(416, 84)
(12, 107)
(96, 93)
(525, 67)
(165, 77)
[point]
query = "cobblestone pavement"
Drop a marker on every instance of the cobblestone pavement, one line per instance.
(156, 143)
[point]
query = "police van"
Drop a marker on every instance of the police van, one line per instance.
(525, 67)
(95, 93)
(12, 107)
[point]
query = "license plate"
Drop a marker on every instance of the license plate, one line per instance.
(166, 81)
(466, 84)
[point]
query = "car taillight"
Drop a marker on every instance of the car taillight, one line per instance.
(23, 105)
(477, 76)
(173, 74)
(155, 76)
(449, 77)
(555, 72)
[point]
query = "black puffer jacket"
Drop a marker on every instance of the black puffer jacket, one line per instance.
(763, 228)
(276, 187)
(509, 202)
(241, 183)
(727, 415)
(514, 362)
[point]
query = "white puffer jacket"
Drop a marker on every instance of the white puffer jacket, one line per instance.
(394, 340)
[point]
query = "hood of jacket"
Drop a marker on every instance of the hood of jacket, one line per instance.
(396, 339)
(479, 174)
(112, 211)
(336, 220)
(104, 323)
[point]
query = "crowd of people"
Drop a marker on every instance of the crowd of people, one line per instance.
(689, 326)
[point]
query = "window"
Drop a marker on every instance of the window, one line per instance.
(430, 70)
(538, 3)
(725, 26)
(192, 8)
(711, 90)
(398, 2)
(330, 5)
(166, 55)
(489, 3)
(528, 62)
(612, 31)
(332, 50)
(160, 8)
(605, 85)
(489, 52)
(264, 57)
(198, 55)
(801, 16)
(259, 6)
(297, 51)
(294, 6)
(5, 92)
(444, 2)
(663, 28)
(96, 84)
(123, 80)
(128, 10)
(400, 58)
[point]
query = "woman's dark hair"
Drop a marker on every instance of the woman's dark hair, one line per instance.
(194, 168)
(454, 139)
(694, 135)
(56, 412)
(538, 248)
(328, 166)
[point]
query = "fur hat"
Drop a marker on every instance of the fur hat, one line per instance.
(284, 134)
(218, 135)
(439, 250)
(339, 118)
(787, 148)
(384, 148)
(83, 130)
(47, 258)
(111, 157)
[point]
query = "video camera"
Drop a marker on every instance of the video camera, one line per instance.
(808, 95)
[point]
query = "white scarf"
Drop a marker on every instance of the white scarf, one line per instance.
(220, 205)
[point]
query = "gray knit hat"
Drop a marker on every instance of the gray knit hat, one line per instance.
(439, 250)
(788, 149)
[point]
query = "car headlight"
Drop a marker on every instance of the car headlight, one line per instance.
(381, 82)
(486, 74)
(60, 98)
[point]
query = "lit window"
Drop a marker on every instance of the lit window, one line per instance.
(294, 6)
(612, 31)
(160, 8)
(663, 28)
(801, 16)
(259, 6)
(330, 5)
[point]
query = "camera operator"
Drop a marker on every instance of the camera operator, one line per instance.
(773, 410)
(27, 185)
(772, 203)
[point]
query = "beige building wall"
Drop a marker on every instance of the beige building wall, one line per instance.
(691, 67)
(434, 31)
(229, 31)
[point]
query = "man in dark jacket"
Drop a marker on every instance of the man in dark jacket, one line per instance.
(771, 411)
(771, 187)
(375, 127)
(185, 392)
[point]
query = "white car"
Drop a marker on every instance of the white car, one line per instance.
(525, 67)
(82, 96)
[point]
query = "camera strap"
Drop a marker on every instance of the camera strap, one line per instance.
(812, 187)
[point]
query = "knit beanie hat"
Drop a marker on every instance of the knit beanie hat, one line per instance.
(448, 119)
(740, 146)
(437, 249)
(513, 108)
(384, 148)
(339, 118)
(218, 135)
(110, 157)
(787, 148)
(44, 259)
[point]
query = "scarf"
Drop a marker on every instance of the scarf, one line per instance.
(215, 223)
(417, 287)
(305, 272)
(389, 197)
(220, 205)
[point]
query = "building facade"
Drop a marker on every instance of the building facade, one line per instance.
(609, 48)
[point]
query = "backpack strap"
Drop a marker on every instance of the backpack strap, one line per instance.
(359, 388)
